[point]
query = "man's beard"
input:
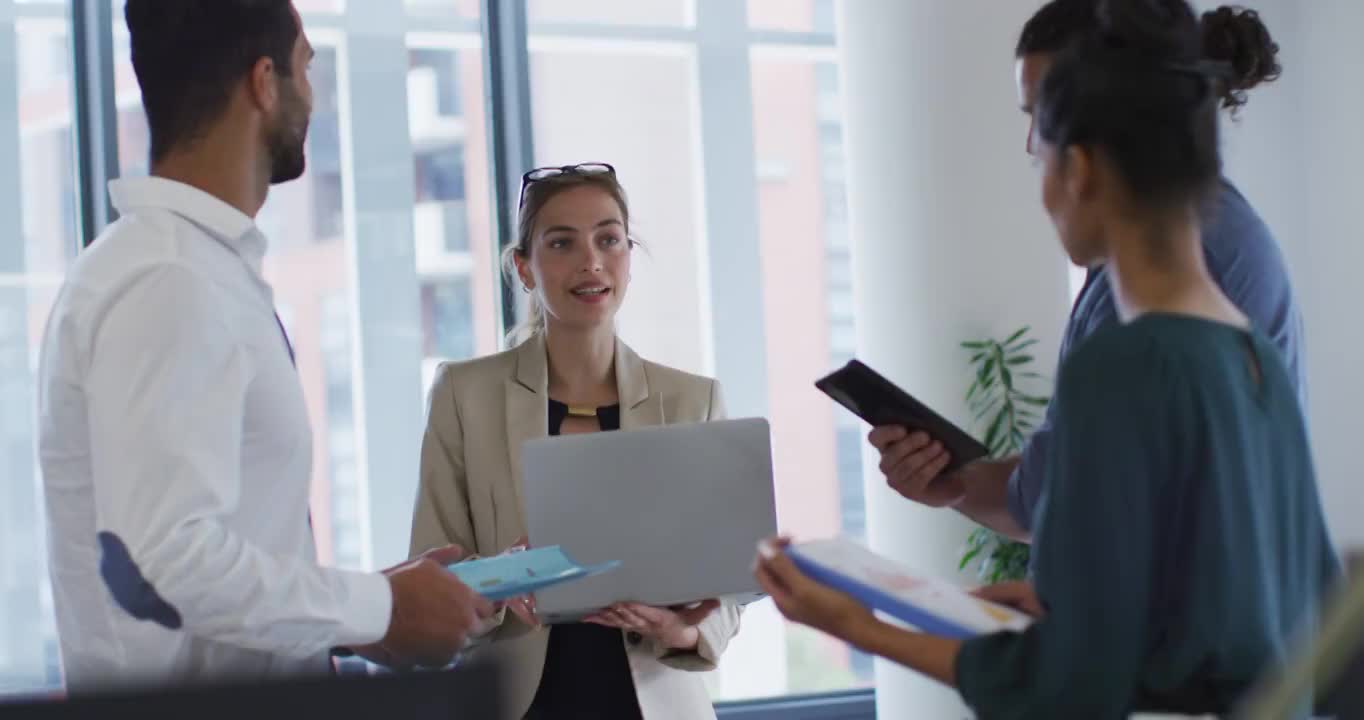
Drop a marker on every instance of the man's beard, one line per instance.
(285, 143)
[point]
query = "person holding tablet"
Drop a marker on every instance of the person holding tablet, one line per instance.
(1239, 250)
(569, 374)
(1180, 542)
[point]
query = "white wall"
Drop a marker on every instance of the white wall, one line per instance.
(1298, 154)
(950, 241)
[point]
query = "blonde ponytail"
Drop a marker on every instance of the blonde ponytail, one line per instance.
(534, 321)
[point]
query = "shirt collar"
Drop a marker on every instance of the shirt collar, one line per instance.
(229, 225)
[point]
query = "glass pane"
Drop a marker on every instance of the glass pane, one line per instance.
(308, 267)
(653, 146)
(455, 256)
(791, 15)
(808, 322)
(467, 9)
(308, 263)
(612, 12)
(30, 274)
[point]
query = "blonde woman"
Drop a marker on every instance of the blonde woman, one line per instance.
(569, 374)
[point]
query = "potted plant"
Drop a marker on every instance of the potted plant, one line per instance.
(1007, 415)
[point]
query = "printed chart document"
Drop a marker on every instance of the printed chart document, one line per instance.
(932, 605)
(514, 574)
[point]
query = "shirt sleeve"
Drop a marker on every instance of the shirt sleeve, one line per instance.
(166, 385)
(1025, 483)
(1110, 450)
(1094, 310)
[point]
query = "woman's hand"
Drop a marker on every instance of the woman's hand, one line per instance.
(523, 608)
(803, 600)
(673, 628)
(1018, 595)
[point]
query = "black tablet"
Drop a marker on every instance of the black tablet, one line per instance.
(880, 402)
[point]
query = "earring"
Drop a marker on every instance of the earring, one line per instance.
(525, 289)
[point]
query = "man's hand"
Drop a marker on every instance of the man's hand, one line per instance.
(913, 464)
(433, 612)
(673, 628)
(1018, 595)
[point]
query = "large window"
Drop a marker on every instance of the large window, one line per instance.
(728, 163)
(723, 119)
(39, 213)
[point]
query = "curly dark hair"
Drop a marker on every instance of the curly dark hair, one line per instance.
(1230, 34)
(1237, 36)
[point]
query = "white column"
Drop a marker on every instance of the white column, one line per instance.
(1330, 70)
(950, 240)
(376, 153)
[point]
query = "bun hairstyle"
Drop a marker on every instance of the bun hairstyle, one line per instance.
(1229, 34)
(1237, 37)
(1138, 90)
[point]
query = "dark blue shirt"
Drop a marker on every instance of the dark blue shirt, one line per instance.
(1245, 261)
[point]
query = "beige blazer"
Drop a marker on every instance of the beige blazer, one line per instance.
(480, 412)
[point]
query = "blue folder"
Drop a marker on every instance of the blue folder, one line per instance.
(880, 599)
(515, 574)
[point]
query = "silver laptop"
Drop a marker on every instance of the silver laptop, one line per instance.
(682, 508)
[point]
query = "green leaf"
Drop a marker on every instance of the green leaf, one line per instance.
(988, 366)
(978, 357)
(985, 408)
(975, 386)
(1032, 376)
(1017, 334)
(1020, 360)
(975, 345)
(1006, 376)
(1023, 346)
(996, 425)
(1033, 400)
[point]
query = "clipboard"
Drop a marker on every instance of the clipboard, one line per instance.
(932, 605)
(522, 572)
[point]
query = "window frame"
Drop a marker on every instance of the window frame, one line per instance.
(722, 41)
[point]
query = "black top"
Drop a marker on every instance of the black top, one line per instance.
(1180, 541)
(586, 673)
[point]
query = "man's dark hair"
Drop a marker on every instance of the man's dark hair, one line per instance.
(1140, 89)
(1052, 28)
(190, 54)
(1230, 34)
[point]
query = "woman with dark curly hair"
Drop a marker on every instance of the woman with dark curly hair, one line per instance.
(1241, 254)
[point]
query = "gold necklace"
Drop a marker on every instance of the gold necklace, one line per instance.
(581, 411)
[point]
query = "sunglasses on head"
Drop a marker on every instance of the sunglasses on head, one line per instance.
(545, 173)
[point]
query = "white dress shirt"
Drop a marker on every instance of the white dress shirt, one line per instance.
(176, 458)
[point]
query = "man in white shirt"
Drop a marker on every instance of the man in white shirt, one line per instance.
(174, 439)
